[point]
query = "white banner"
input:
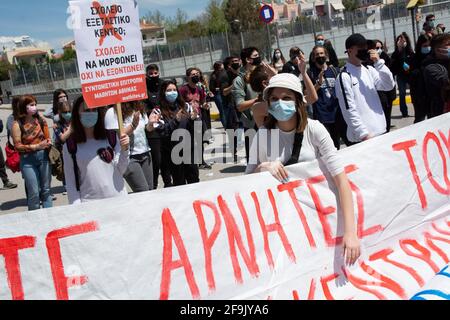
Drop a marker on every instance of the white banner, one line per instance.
(248, 237)
(108, 41)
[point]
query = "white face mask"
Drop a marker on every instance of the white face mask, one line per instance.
(278, 55)
(379, 51)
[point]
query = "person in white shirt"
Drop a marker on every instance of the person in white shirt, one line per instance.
(289, 137)
(356, 89)
(139, 174)
(94, 159)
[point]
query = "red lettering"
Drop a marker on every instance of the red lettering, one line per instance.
(324, 281)
(295, 295)
(61, 281)
(312, 289)
(234, 237)
(386, 282)
(360, 204)
(208, 241)
(383, 255)
(272, 228)
(323, 212)
(428, 239)
(445, 140)
(424, 254)
(170, 231)
(405, 146)
(431, 136)
(289, 187)
(9, 249)
(363, 284)
(435, 227)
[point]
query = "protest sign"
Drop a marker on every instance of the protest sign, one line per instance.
(108, 41)
(249, 237)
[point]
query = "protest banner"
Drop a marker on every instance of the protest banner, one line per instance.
(249, 237)
(109, 52)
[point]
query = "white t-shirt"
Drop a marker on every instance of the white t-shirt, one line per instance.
(138, 140)
(316, 144)
(98, 179)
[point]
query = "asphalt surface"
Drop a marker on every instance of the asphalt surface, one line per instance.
(14, 200)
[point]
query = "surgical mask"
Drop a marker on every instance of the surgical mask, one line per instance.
(282, 110)
(278, 55)
(320, 42)
(66, 116)
(31, 110)
(153, 80)
(379, 51)
(171, 96)
(321, 60)
(195, 79)
(431, 24)
(256, 61)
(363, 55)
(89, 119)
(425, 50)
(235, 65)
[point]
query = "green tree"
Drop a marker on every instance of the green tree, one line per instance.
(215, 17)
(155, 16)
(350, 5)
(5, 66)
(242, 15)
(69, 54)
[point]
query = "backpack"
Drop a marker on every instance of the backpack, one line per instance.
(56, 163)
(72, 148)
(12, 157)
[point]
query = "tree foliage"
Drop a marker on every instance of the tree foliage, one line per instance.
(350, 5)
(5, 66)
(242, 15)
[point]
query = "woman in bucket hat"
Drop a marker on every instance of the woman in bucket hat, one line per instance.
(289, 137)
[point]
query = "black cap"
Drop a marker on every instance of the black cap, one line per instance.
(356, 39)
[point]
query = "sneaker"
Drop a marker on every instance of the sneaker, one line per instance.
(9, 185)
(64, 193)
(54, 197)
(205, 166)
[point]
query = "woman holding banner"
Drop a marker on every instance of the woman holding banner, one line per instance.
(94, 163)
(299, 140)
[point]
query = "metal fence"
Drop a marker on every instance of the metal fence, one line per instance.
(265, 38)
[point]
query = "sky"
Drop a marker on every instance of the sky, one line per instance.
(45, 20)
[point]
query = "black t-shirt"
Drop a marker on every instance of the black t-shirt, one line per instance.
(292, 68)
(153, 94)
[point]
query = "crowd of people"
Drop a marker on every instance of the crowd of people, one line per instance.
(308, 109)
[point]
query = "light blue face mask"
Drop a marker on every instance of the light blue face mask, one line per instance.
(171, 96)
(425, 50)
(320, 42)
(282, 110)
(67, 116)
(88, 119)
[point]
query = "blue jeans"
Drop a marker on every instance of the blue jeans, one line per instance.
(402, 82)
(218, 99)
(35, 168)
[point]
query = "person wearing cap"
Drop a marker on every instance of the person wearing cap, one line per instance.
(357, 87)
(289, 137)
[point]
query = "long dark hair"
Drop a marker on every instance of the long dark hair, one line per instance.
(408, 49)
(274, 59)
(77, 128)
(22, 107)
(166, 112)
(56, 93)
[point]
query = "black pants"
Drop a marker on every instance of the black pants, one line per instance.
(342, 128)
(3, 174)
(184, 173)
(333, 130)
(155, 146)
(166, 153)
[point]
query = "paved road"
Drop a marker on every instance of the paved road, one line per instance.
(14, 200)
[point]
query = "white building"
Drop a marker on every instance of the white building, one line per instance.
(152, 34)
(24, 50)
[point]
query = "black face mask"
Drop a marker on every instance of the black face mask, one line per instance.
(195, 79)
(235, 65)
(256, 61)
(321, 60)
(363, 55)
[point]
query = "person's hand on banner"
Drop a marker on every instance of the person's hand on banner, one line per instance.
(352, 249)
(276, 169)
(124, 142)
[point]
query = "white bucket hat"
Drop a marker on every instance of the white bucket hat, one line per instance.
(284, 80)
